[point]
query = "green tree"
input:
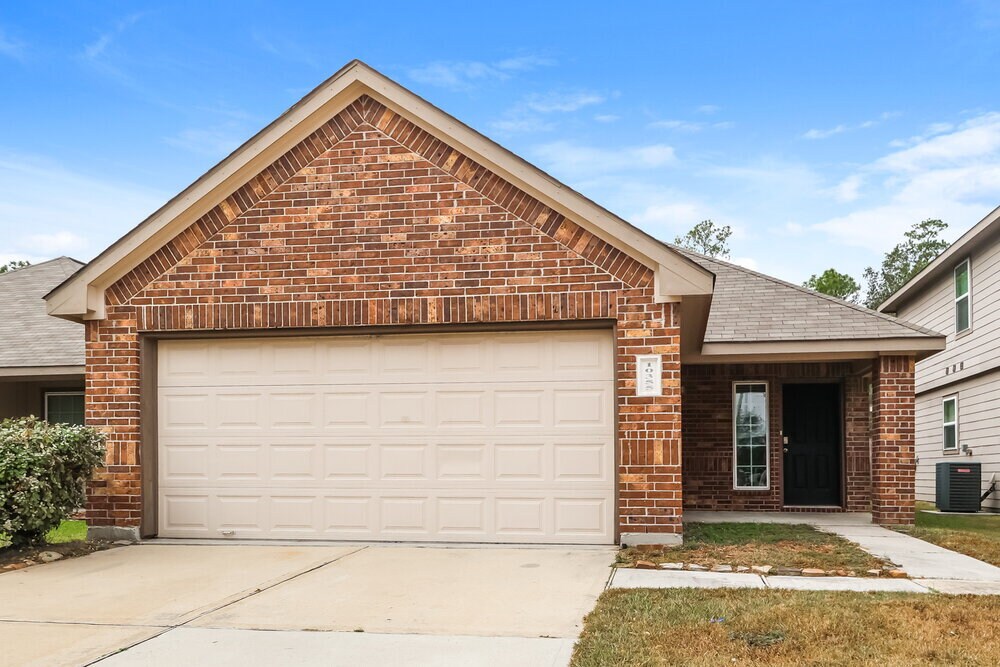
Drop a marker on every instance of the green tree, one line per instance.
(707, 238)
(835, 283)
(13, 265)
(920, 245)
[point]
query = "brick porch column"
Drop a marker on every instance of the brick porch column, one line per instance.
(893, 458)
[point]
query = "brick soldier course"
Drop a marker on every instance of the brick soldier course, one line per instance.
(376, 221)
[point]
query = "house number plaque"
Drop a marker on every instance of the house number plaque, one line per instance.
(648, 375)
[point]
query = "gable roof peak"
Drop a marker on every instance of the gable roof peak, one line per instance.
(83, 296)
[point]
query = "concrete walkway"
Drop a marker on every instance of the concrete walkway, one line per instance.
(247, 604)
(931, 566)
(632, 578)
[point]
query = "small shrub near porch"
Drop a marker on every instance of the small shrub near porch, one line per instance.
(43, 471)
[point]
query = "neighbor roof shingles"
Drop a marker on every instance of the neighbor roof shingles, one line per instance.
(750, 307)
(29, 336)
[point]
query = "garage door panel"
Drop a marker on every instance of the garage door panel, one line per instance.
(441, 516)
(552, 461)
(460, 437)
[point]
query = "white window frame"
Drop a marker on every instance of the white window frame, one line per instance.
(767, 435)
(968, 293)
(944, 424)
(45, 398)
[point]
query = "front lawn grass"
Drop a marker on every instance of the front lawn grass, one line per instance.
(976, 535)
(748, 544)
(67, 531)
(644, 628)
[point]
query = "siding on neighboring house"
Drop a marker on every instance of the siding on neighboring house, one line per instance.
(969, 367)
(977, 349)
(978, 427)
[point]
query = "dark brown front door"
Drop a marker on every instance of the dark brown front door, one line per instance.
(811, 429)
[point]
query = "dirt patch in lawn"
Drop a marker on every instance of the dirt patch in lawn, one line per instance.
(749, 544)
(646, 628)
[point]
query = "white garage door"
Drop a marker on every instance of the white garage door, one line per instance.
(485, 437)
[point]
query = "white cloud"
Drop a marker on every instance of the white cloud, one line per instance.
(574, 161)
(950, 174)
(974, 139)
(529, 115)
(670, 214)
(746, 262)
(464, 74)
(87, 215)
(606, 118)
(848, 189)
(10, 47)
(561, 102)
(679, 125)
(708, 109)
(290, 50)
(841, 128)
(689, 126)
(823, 134)
(214, 142)
(95, 49)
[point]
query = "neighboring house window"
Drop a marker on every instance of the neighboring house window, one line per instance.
(750, 435)
(963, 306)
(64, 407)
(949, 421)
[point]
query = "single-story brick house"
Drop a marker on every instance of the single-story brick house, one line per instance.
(41, 357)
(371, 322)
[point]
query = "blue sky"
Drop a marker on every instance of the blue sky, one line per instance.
(818, 130)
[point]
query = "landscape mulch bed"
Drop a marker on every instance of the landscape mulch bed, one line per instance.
(12, 558)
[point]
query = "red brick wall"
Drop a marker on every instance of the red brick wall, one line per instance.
(893, 458)
(708, 433)
(371, 221)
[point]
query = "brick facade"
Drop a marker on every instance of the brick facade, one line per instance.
(371, 221)
(893, 457)
(708, 433)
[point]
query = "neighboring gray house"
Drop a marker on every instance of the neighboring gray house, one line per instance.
(958, 390)
(41, 357)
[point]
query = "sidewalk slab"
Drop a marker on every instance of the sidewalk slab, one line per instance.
(918, 558)
(240, 648)
(632, 578)
(46, 644)
(956, 587)
(845, 584)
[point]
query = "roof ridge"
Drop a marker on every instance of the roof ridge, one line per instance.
(35, 266)
(806, 290)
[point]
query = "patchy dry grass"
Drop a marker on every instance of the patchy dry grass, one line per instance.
(976, 535)
(780, 545)
(646, 628)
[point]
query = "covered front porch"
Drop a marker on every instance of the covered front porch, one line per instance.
(794, 437)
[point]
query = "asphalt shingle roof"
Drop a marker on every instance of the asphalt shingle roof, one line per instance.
(749, 307)
(28, 335)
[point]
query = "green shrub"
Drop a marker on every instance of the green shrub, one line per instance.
(43, 472)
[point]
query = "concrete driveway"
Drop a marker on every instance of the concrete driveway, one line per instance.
(168, 604)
